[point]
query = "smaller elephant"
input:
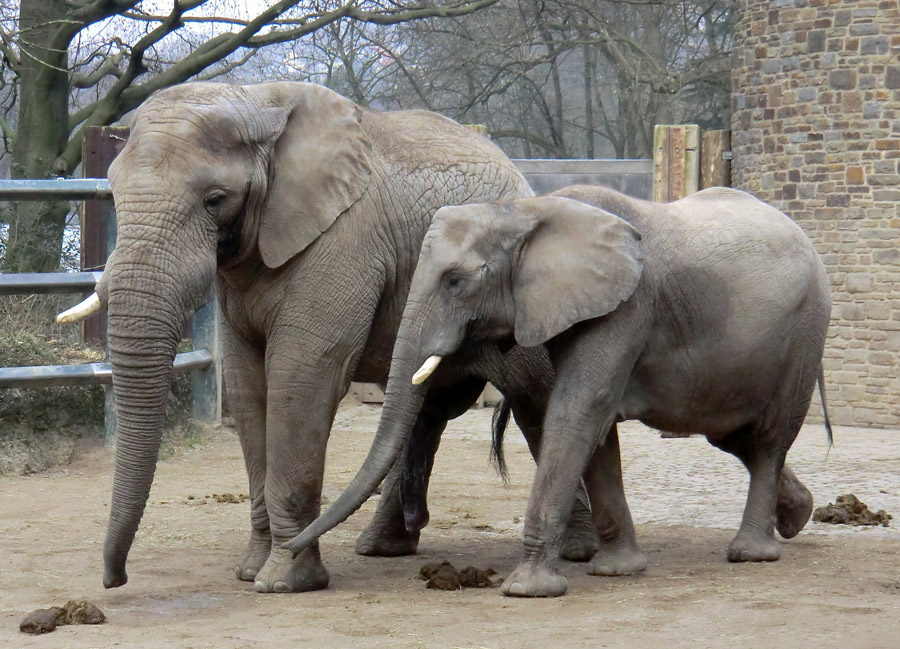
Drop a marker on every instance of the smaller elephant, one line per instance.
(706, 315)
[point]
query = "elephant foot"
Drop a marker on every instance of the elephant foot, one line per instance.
(381, 543)
(614, 562)
(255, 556)
(580, 542)
(795, 505)
(758, 546)
(284, 574)
(535, 580)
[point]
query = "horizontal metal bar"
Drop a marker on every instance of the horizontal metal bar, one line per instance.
(44, 376)
(601, 167)
(190, 361)
(29, 283)
(57, 189)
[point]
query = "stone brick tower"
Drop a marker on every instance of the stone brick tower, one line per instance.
(816, 133)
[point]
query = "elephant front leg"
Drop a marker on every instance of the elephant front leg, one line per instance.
(567, 445)
(245, 380)
(580, 413)
(580, 541)
(298, 422)
(618, 552)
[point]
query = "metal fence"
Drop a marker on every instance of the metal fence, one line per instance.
(632, 177)
(204, 361)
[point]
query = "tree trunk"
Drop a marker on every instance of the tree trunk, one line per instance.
(36, 227)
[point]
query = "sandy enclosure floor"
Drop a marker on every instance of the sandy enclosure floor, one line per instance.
(833, 586)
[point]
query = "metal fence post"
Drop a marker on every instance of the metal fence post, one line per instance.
(206, 384)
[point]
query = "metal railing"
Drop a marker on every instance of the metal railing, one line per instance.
(204, 361)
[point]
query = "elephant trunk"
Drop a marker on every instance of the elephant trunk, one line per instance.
(147, 311)
(402, 404)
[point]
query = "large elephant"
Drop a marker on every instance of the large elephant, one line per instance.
(706, 315)
(307, 212)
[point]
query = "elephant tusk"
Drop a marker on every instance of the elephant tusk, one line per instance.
(426, 370)
(80, 311)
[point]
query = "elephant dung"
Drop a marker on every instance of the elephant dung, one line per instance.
(850, 510)
(443, 576)
(82, 611)
(45, 620)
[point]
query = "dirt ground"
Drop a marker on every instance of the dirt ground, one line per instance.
(833, 586)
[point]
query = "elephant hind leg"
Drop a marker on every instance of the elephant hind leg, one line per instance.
(755, 540)
(403, 506)
(795, 505)
(618, 552)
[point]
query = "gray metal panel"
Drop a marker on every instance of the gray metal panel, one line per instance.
(631, 177)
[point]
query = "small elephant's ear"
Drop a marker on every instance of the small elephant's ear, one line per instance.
(318, 169)
(578, 262)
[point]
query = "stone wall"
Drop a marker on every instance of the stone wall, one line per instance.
(816, 133)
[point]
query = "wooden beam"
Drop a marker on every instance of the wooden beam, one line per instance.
(715, 159)
(101, 145)
(676, 161)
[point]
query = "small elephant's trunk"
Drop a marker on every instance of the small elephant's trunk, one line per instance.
(402, 404)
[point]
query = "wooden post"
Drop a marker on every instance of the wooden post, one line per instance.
(715, 159)
(481, 129)
(676, 161)
(98, 219)
(100, 146)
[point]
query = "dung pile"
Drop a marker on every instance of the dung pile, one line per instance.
(443, 576)
(45, 620)
(850, 510)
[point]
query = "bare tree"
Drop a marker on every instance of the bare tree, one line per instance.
(123, 51)
(564, 78)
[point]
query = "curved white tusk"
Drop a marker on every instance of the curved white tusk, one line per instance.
(80, 311)
(427, 368)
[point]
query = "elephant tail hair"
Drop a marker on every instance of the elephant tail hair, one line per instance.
(499, 422)
(824, 406)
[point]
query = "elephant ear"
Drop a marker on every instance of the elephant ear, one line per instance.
(577, 262)
(319, 167)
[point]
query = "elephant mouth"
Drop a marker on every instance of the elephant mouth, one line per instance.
(228, 245)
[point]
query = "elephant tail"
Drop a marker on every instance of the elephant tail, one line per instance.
(499, 422)
(824, 406)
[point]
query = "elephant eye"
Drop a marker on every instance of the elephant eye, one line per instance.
(453, 282)
(214, 200)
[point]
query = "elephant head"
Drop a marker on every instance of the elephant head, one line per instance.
(522, 271)
(213, 176)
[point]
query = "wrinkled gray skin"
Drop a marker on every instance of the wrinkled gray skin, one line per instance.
(707, 315)
(525, 377)
(307, 212)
